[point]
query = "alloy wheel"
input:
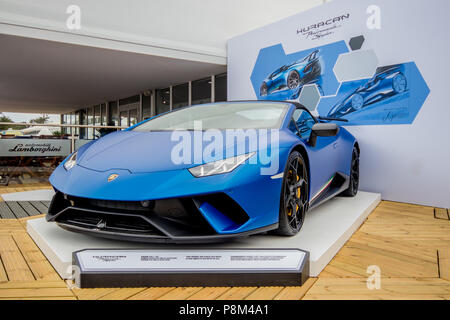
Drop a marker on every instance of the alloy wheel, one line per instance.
(296, 193)
(293, 80)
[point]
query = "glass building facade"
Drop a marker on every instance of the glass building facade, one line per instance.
(131, 110)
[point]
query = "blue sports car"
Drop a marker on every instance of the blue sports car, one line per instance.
(294, 75)
(155, 182)
(388, 82)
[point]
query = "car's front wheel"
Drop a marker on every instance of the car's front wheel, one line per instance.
(294, 196)
(293, 80)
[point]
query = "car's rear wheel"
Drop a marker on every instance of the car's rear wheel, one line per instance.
(263, 90)
(357, 101)
(354, 175)
(293, 80)
(294, 196)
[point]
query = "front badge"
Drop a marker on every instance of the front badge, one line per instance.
(112, 177)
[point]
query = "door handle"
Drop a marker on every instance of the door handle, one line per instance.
(335, 145)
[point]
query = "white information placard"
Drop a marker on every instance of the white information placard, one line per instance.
(107, 268)
(192, 260)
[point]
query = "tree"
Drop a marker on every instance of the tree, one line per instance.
(4, 118)
(42, 119)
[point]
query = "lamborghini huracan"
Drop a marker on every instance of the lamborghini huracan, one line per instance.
(132, 185)
(388, 82)
(294, 75)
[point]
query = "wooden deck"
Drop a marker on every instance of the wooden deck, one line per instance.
(410, 244)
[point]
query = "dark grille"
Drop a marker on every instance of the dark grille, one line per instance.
(120, 205)
(108, 222)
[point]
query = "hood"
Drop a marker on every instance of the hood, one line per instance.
(138, 152)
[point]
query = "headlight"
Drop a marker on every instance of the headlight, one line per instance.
(71, 162)
(219, 167)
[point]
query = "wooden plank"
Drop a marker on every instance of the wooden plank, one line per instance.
(378, 297)
(29, 208)
(151, 293)
(39, 206)
(264, 293)
(393, 264)
(441, 213)
(444, 263)
(336, 270)
(237, 293)
(32, 284)
(13, 261)
(391, 288)
(210, 293)
(391, 215)
(438, 230)
(295, 293)
(5, 211)
(398, 246)
(10, 225)
(35, 293)
(3, 275)
(16, 209)
(46, 204)
(92, 294)
(122, 294)
(180, 293)
(41, 298)
(41, 268)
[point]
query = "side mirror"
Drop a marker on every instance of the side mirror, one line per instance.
(322, 130)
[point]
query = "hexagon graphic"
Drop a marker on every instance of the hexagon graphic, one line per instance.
(356, 43)
(309, 97)
(356, 65)
(277, 76)
(393, 95)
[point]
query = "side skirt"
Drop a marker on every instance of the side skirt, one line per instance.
(338, 184)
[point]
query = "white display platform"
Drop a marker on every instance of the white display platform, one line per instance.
(325, 231)
(36, 195)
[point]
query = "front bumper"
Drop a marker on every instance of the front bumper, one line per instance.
(176, 220)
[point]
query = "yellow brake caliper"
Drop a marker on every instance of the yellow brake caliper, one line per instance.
(289, 211)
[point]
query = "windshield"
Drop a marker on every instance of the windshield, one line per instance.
(241, 115)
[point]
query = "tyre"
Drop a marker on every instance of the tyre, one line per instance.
(357, 101)
(399, 83)
(263, 90)
(293, 80)
(294, 196)
(354, 176)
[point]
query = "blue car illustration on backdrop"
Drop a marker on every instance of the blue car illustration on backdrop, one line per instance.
(126, 185)
(388, 82)
(293, 76)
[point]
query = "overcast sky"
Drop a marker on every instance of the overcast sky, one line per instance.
(26, 117)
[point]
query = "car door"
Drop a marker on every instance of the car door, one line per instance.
(322, 157)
